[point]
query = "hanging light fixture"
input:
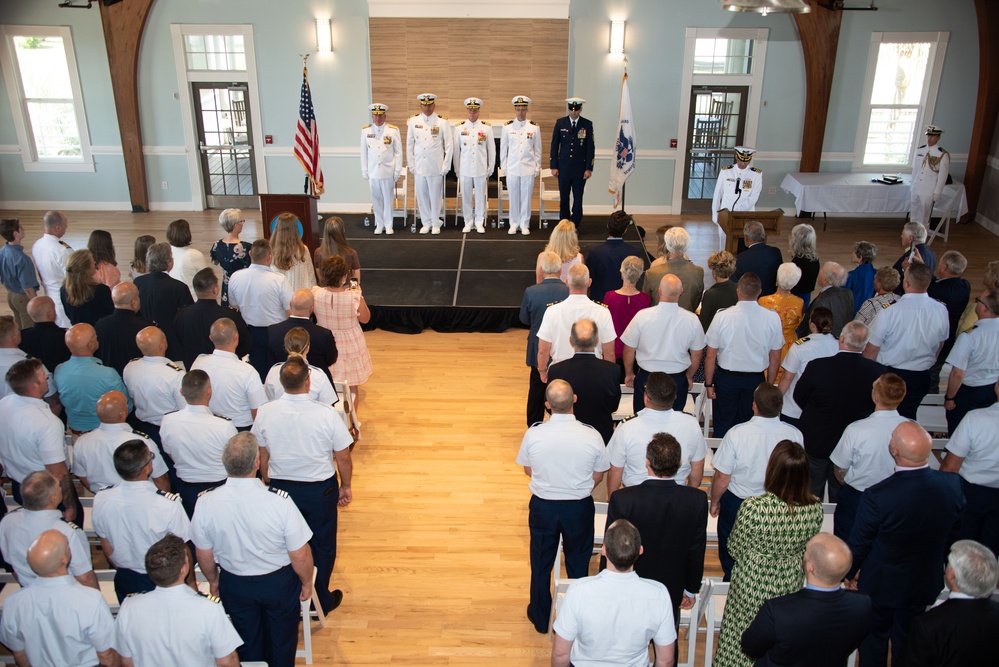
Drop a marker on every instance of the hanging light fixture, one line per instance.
(767, 6)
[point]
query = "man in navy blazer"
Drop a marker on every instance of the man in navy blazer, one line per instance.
(571, 158)
(194, 323)
(604, 260)
(536, 300)
(595, 382)
(962, 631)
(818, 626)
(322, 345)
(758, 258)
(672, 520)
(904, 526)
(161, 296)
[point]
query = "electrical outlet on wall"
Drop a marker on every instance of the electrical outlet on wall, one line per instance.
(772, 191)
(165, 185)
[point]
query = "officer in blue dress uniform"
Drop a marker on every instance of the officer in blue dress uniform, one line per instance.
(571, 158)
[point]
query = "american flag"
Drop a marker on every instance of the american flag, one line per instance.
(307, 138)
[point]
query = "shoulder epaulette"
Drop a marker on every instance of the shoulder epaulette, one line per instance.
(729, 166)
(537, 424)
(210, 597)
(130, 595)
(415, 115)
(65, 245)
(461, 123)
(886, 304)
(533, 123)
(167, 494)
(586, 425)
(509, 122)
(445, 118)
(802, 341)
(923, 146)
(486, 124)
(280, 492)
(140, 433)
(134, 359)
(215, 414)
(758, 171)
(628, 418)
(943, 151)
(392, 127)
(973, 327)
(201, 493)
(364, 127)
(552, 303)
(599, 303)
(174, 366)
(70, 524)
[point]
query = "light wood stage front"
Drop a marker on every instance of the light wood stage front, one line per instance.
(433, 551)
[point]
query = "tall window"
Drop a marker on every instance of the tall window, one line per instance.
(902, 80)
(44, 89)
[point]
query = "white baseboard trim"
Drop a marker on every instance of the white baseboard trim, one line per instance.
(987, 223)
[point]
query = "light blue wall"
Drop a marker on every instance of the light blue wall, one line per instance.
(341, 90)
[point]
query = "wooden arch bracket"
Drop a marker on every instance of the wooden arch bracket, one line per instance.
(818, 32)
(987, 107)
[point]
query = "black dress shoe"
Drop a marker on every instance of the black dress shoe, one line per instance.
(538, 627)
(336, 599)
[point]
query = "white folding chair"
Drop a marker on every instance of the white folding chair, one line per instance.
(946, 210)
(625, 407)
(548, 196)
(931, 414)
(400, 199)
(560, 585)
(502, 195)
(346, 407)
(689, 621)
(828, 510)
(712, 531)
(702, 406)
(717, 595)
(599, 524)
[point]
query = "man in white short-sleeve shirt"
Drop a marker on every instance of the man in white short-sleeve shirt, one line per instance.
(974, 362)
(610, 619)
(237, 390)
(553, 336)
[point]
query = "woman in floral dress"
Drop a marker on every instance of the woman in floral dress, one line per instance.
(230, 253)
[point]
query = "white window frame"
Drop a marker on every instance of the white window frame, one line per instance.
(184, 79)
(927, 104)
(15, 91)
(754, 81)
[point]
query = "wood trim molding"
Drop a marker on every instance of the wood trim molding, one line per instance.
(123, 25)
(987, 107)
(818, 32)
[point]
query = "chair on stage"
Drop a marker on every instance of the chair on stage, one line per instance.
(550, 196)
(502, 195)
(400, 199)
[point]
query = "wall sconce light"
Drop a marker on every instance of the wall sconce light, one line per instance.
(617, 38)
(324, 36)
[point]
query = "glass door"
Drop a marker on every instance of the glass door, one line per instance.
(716, 126)
(224, 138)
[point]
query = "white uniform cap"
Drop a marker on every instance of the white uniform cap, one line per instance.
(377, 109)
(744, 153)
(575, 102)
(521, 101)
(473, 103)
(933, 131)
(426, 98)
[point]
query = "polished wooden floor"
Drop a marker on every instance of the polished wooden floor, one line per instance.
(433, 552)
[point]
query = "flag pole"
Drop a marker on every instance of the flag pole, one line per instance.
(309, 186)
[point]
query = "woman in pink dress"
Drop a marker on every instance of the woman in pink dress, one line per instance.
(342, 311)
(624, 303)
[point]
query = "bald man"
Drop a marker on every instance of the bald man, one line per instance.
(237, 390)
(322, 347)
(45, 339)
(597, 382)
(57, 621)
(154, 382)
(820, 625)
(904, 526)
(116, 332)
(50, 253)
(93, 455)
(84, 379)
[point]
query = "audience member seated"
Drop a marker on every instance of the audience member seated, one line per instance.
(885, 282)
(237, 391)
(291, 257)
(161, 295)
(230, 253)
(832, 295)
(624, 304)
(597, 381)
(93, 454)
(604, 260)
(962, 630)
(187, 261)
(296, 344)
(677, 241)
(758, 258)
(84, 298)
(322, 346)
(990, 281)
(611, 618)
(861, 457)
(101, 246)
(334, 242)
(818, 626)
(57, 621)
(45, 339)
(801, 241)
(193, 323)
(565, 243)
(789, 308)
(860, 280)
(741, 470)
(83, 379)
(820, 343)
(768, 544)
(914, 248)
(117, 331)
(723, 293)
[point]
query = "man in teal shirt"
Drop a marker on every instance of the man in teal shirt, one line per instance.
(84, 379)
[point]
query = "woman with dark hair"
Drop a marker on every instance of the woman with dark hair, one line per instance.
(768, 543)
(818, 344)
(334, 242)
(138, 266)
(101, 247)
(861, 280)
(186, 260)
(84, 298)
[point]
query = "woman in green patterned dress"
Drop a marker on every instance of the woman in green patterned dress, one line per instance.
(768, 543)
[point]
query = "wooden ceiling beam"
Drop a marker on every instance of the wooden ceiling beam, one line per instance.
(818, 32)
(987, 107)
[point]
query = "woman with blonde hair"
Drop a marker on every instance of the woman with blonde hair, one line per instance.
(334, 242)
(101, 247)
(723, 293)
(296, 344)
(230, 253)
(84, 298)
(565, 243)
(291, 256)
(625, 303)
(343, 311)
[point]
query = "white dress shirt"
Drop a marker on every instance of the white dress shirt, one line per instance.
(631, 439)
(812, 346)
(563, 454)
(976, 440)
(744, 336)
(93, 454)
(262, 295)
(663, 337)
(300, 435)
(136, 515)
(910, 331)
(862, 450)
(195, 439)
(236, 386)
(31, 437)
(559, 318)
(154, 383)
(745, 451)
(22, 527)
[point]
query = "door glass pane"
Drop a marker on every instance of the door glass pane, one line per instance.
(227, 159)
(715, 133)
(723, 56)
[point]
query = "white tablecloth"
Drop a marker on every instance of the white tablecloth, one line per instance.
(856, 193)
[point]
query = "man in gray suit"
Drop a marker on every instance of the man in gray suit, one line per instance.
(832, 295)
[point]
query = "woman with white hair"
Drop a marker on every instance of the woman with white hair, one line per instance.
(802, 244)
(788, 307)
(230, 253)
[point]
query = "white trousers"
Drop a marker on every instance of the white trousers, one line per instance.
(429, 195)
(521, 189)
(473, 200)
(382, 193)
(920, 207)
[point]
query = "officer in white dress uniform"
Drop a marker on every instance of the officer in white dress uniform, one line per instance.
(260, 540)
(429, 145)
(131, 517)
(299, 440)
(553, 335)
(237, 391)
(739, 185)
(50, 253)
(153, 381)
(57, 621)
(930, 169)
(381, 165)
(198, 634)
(474, 160)
(520, 160)
(93, 454)
(195, 439)
(22, 526)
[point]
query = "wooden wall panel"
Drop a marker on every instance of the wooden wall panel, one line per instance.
(459, 58)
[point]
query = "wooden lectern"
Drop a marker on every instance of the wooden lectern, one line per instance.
(303, 207)
(732, 223)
